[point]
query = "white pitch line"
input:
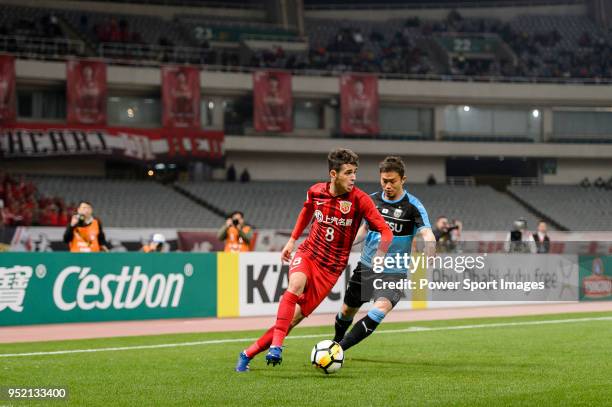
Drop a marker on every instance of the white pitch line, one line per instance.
(386, 331)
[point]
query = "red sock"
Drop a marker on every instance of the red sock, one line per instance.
(286, 309)
(261, 344)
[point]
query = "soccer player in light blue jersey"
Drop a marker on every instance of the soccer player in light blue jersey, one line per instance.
(407, 217)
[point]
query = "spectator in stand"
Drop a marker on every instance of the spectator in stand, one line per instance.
(13, 215)
(431, 180)
(245, 176)
(231, 174)
(115, 33)
(124, 32)
(63, 218)
(541, 238)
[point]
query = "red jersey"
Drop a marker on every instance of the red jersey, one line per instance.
(335, 224)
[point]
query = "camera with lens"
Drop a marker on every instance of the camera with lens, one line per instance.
(81, 221)
(516, 234)
(235, 222)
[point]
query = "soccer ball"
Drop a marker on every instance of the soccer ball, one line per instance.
(327, 356)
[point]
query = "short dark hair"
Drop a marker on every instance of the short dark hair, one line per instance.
(441, 217)
(392, 163)
(236, 213)
(84, 202)
(340, 156)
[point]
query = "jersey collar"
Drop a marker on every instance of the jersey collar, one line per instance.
(382, 195)
(328, 189)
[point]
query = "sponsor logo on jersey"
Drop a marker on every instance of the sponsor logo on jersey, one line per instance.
(395, 227)
(332, 220)
(319, 216)
(345, 206)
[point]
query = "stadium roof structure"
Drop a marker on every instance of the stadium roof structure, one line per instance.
(371, 4)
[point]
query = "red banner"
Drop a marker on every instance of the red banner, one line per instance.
(359, 103)
(272, 101)
(180, 97)
(8, 111)
(47, 140)
(86, 92)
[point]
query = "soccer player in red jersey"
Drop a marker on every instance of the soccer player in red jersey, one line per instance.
(338, 208)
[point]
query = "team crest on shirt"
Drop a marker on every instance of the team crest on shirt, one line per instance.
(397, 213)
(345, 206)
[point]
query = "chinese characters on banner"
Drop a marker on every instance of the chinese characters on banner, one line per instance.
(180, 97)
(86, 92)
(359, 104)
(31, 140)
(272, 101)
(8, 111)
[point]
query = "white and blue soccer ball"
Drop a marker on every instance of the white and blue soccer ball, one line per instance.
(327, 356)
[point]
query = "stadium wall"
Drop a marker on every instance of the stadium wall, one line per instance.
(308, 167)
(421, 92)
(572, 171)
(53, 166)
(63, 287)
(256, 145)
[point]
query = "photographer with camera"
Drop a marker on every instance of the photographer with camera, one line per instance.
(236, 234)
(84, 233)
(519, 240)
(447, 234)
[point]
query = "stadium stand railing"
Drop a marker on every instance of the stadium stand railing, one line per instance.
(41, 47)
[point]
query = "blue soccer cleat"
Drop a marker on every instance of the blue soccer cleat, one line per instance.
(275, 355)
(243, 363)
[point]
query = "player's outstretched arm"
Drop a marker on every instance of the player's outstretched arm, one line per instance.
(361, 233)
(430, 241)
(302, 221)
(287, 250)
(377, 223)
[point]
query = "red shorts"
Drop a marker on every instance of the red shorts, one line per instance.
(318, 284)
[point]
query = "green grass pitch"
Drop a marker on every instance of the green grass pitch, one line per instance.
(523, 364)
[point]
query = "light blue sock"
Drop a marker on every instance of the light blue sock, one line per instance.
(376, 315)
